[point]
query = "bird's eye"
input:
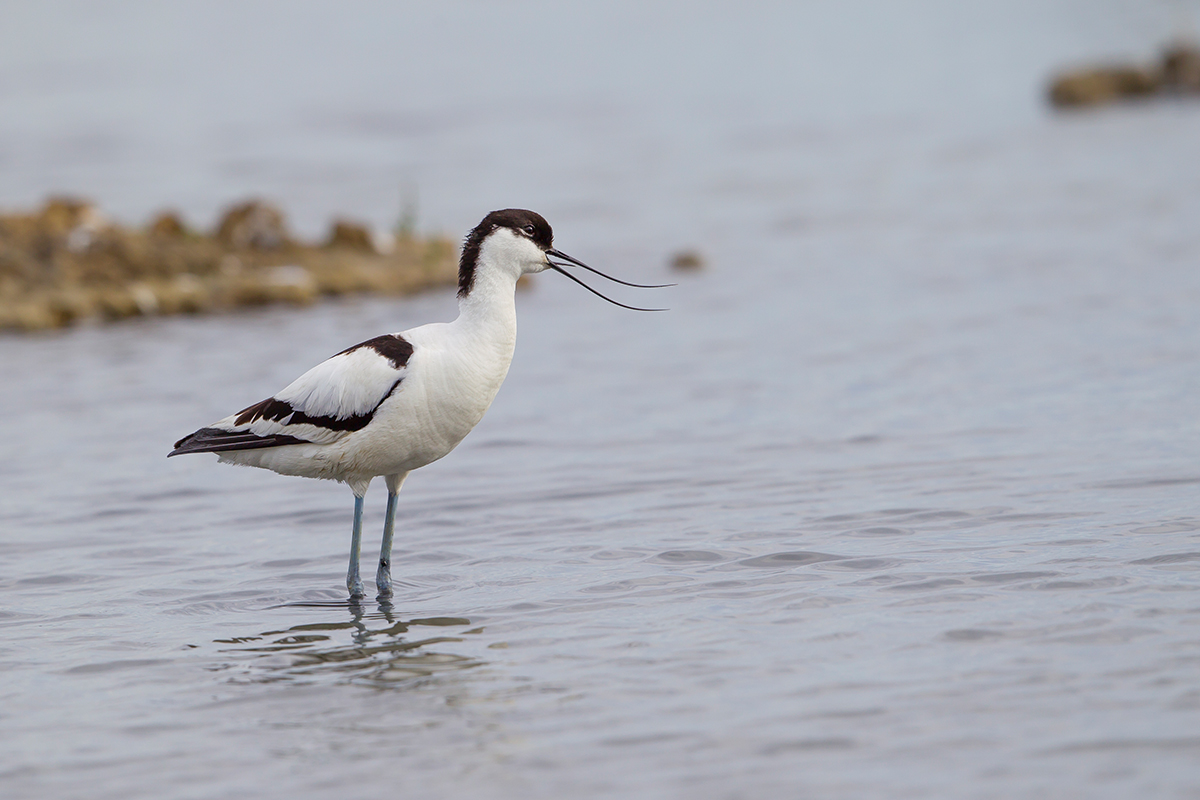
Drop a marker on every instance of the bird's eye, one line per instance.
(529, 230)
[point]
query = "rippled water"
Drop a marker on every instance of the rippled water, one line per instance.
(900, 499)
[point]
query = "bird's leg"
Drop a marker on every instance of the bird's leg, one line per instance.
(383, 577)
(353, 581)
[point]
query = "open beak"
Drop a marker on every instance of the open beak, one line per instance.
(559, 269)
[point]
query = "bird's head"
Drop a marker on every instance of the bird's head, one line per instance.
(521, 242)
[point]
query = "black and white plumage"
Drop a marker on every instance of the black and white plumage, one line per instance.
(400, 401)
(315, 408)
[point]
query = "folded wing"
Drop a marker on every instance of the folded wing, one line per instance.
(330, 401)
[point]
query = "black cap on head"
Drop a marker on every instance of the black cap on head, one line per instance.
(522, 222)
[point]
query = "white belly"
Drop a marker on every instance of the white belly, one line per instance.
(451, 378)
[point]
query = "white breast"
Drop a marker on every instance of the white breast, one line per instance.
(449, 385)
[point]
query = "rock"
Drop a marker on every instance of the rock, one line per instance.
(72, 221)
(1181, 67)
(184, 294)
(33, 315)
(61, 215)
(168, 225)
(687, 261)
(292, 284)
(351, 235)
(145, 298)
(253, 225)
(116, 302)
(1090, 87)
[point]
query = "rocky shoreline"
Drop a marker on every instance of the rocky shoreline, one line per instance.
(1177, 73)
(67, 262)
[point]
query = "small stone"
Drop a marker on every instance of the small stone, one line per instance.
(229, 265)
(253, 225)
(351, 235)
(144, 298)
(687, 261)
(168, 225)
(1101, 85)
(1181, 67)
(184, 294)
(61, 215)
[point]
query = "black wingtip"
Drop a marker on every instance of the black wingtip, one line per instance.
(178, 448)
(215, 440)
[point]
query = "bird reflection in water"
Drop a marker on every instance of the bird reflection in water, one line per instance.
(369, 648)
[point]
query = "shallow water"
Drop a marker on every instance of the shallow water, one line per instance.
(900, 498)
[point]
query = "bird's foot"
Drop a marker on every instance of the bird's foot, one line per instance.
(383, 581)
(356, 590)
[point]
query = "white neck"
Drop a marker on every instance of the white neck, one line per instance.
(488, 313)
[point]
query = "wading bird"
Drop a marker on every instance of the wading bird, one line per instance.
(397, 402)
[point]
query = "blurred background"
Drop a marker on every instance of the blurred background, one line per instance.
(665, 121)
(898, 500)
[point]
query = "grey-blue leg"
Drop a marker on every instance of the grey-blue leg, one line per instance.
(353, 581)
(383, 578)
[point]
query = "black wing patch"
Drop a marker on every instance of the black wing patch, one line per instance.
(283, 413)
(214, 440)
(395, 349)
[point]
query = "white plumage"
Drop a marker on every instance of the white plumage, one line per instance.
(400, 401)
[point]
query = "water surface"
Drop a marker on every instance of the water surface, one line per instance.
(900, 499)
